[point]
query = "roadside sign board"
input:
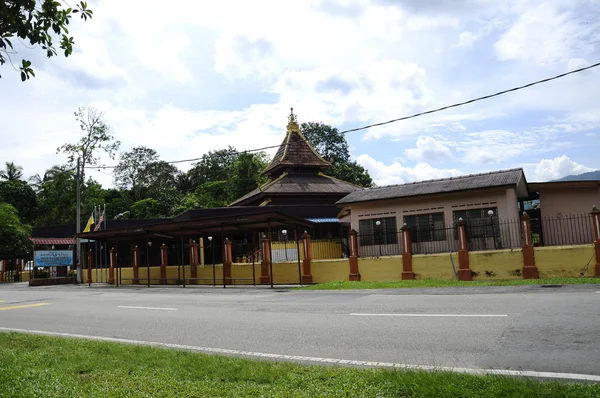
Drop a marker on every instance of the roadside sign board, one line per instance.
(53, 258)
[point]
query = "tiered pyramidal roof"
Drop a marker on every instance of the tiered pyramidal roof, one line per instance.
(294, 151)
(296, 174)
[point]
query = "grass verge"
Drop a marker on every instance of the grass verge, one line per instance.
(39, 366)
(421, 283)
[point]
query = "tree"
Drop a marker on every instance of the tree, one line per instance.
(22, 197)
(333, 147)
(158, 176)
(96, 138)
(14, 236)
(145, 208)
(131, 166)
(36, 22)
(327, 141)
(12, 172)
(245, 174)
(213, 194)
(214, 166)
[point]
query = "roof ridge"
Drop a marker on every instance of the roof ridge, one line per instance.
(446, 178)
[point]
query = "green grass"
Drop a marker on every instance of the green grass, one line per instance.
(36, 366)
(348, 285)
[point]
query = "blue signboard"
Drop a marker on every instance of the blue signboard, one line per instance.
(53, 258)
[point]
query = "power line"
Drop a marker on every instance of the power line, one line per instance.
(408, 117)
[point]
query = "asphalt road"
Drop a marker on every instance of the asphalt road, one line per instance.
(519, 328)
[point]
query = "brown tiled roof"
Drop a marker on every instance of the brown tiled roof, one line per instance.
(514, 177)
(295, 151)
(317, 183)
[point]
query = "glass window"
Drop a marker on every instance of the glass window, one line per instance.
(385, 233)
(478, 223)
(426, 227)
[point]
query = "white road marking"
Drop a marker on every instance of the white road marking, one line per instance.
(147, 308)
(502, 372)
(437, 315)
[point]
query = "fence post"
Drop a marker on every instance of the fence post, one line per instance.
(90, 265)
(596, 228)
(307, 261)
(407, 271)
(111, 267)
(265, 259)
(353, 241)
(164, 261)
(193, 263)
(136, 265)
(227, 261)
(464, 271)
(530, 270)
(2, 266)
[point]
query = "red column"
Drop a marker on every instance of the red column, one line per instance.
(90, 264)
(596, 228)
(227, 261)
(2, 267)
(353, 243)
(530, 270)
(164, 261)
(265, 244)
(136, 265)
(112, 264)
(194, 262)
(306, 262)
(464, 271)
(407, 271)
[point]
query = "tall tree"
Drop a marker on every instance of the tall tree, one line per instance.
(14, 235)
(213, 166)
(22, 197)
(12, 172)
(245, 174)
(327, 141)
(333, 147)
(37, 22)
(131, 166)
(96, 139)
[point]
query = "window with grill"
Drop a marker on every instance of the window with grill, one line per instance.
(478, 223)
(385, 233)
(426, 227)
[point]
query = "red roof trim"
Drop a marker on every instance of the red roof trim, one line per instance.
(53, 241)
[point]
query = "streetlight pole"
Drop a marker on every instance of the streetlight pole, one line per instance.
(284, 232)
(78, 220)
(212, 248)
(491, 214)
(378, 224)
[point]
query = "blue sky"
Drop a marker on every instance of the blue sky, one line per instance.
(197, 77)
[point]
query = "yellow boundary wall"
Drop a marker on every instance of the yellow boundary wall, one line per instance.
(558, 261)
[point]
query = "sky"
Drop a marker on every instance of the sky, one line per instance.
(190, 76)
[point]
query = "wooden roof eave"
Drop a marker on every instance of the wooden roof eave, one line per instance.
(200, 226)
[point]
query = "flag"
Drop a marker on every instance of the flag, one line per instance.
(88, 226)
(100, 219)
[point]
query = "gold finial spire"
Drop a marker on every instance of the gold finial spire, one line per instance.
(292, 121)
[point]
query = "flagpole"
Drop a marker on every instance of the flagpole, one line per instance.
(95, 243)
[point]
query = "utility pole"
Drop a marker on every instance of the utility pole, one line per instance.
(78, 221)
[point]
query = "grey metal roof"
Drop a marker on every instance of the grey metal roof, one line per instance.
(514, 177)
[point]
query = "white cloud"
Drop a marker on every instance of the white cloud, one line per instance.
(467, 39)
(559, 167)
(395, 173)
(546, 34)
(192, 78)
(428, 149)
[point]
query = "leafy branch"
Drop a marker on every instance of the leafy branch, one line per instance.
(29, 21)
